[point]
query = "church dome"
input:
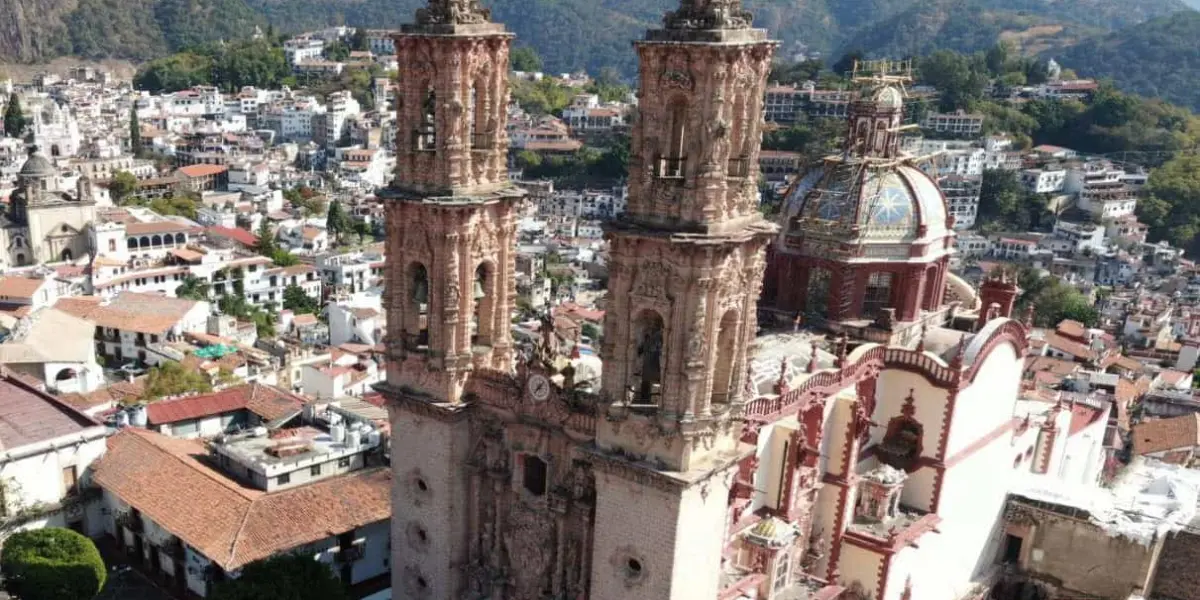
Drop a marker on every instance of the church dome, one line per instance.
(37, 166)
(866, 203)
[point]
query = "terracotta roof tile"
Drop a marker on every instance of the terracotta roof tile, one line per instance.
(265, 401)
(29, 416)
(239, 235)
(1166, 434)
(157, 227)
(231, 524)
(129, 311)
(20, 287)
(203, 170)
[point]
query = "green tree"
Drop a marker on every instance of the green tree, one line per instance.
(14, 118)
(298, 301)
(337, 51)
(295, 577)
(337, 221)
(525, 59)
(51, 564)
(528, 159)
(172, 379)
(1053, 300)
(135, 132)
(192, 288)
(266, 245)
(123, 184)
(358, 40)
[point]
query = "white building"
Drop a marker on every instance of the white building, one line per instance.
(56, 348)
(958, 123)
(230, 519)
(129, 322)
(1044, 181)
(46, 447)
(358, 319)
(296, 51)
(962, 199)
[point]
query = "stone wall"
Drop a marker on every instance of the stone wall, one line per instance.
(1177, 577)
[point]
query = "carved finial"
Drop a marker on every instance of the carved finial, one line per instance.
(781, 384)
(1028, 319)
(812, 359)
(910, 407)
(750, 392)
(842, 343)
(956, 363)
(921, 341)
(797, 322)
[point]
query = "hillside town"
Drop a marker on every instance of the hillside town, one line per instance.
(402, 335)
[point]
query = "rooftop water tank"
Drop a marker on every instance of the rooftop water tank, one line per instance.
(338, 433)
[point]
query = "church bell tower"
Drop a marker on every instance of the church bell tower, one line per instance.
(451, 233)
(685, 271)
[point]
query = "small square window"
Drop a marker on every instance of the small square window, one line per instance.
(315, 470)
(284, 479)
(344, 462)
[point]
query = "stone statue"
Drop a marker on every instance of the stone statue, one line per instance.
(708, 14)
(453, 12)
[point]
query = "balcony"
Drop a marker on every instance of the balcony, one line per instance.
(671, 168)
(352, 553)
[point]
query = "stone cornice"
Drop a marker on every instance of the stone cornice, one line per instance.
(404, 399)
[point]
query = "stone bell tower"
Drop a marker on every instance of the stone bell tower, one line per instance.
(686, 268)
(451, 232)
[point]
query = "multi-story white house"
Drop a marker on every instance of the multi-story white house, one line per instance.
(962, 199)
(46, 447)
(248, 504)
(129, 322)
(1044, 181)
(299, 50)
(958, 122)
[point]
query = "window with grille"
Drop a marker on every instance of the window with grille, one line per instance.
(879, 294)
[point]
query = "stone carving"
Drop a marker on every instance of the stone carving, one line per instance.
(528, 542)
(651, 280)
(453, 12)
(708, 14)
(677, 74)
(697, 336)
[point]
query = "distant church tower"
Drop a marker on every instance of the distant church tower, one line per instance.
(685, 270)
(451, 227)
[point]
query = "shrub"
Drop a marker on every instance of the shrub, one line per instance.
(51, 564)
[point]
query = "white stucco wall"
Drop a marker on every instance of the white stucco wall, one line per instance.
(36, 478)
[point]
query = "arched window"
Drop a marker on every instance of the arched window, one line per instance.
(156, 241)
(534, 474)
(66, 255)
(145, 242)
(19, 242)
(878, 295)
(426, 134)
(416, 326)
(648, 358)
(54, 151)
(675, 154)
(180, 239)
(65, 375)
(21, 260)
(483, 296)
(722, 390)
(112, 245)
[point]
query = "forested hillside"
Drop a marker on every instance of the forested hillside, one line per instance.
(35, 30)
(1159, 58)
(569, 34)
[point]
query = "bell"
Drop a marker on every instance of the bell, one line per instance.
(479, 295)
(421, 292)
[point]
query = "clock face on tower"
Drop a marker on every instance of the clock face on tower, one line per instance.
(538, 387)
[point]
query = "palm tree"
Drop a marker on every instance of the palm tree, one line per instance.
(192, 288)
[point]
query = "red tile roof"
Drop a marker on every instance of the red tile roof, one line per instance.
(1166, 434)
(203, 170)
(29, 416)
(241, 236)
(265, 401)
(1083, 416)
(231, 524)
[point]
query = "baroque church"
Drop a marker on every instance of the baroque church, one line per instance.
(727, 451)
(45, 223)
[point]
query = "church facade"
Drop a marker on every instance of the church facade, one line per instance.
(712, 459)
(46, 223)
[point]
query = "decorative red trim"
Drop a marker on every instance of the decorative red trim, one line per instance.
(839, 523)
(1051, 436)
(885, 566)
(983, 442)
